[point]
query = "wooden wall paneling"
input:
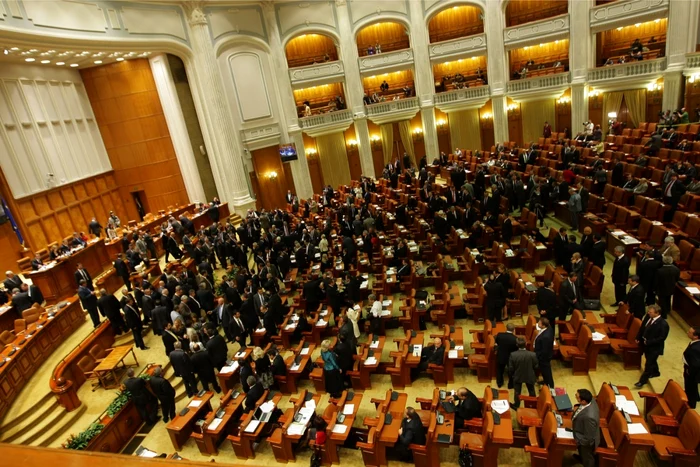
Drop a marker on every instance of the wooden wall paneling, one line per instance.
(290, 178)
(377, 153)
(692, 98)
(322, 93)
(562, 114)
(307, 48)
(443, 132)
(546, 53)
(314, 164)
(595, 112)
(391, 36)
(515, 123)
(272, 190)
(418, 141)
(453, 22)
(654, 106)
(486, 127)
(395, 80)
(465, 66)
(353, 154)
(524, 11)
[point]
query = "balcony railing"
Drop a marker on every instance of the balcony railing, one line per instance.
(319, 71)
(475, 44)
(545, 30)
(386, 60)
(539, 82)
(461, 95)
(330, 118)
(692, 60)
(637, 68)
(398, 105)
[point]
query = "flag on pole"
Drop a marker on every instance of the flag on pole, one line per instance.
(8, 213)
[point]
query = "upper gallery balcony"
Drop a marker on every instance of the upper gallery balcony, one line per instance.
(322, 106)
(526, 11)
(457, 32)
(312, 60)
(383, 47)
(634, 43)
(644, 69)
(462, 82)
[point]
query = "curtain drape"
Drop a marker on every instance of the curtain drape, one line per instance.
(612, 101)
(333, 157)
(534, 114)
(407, 140)
(387, 132)
(636, 100)
(465, 132)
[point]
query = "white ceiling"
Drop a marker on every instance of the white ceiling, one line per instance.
(73, 58)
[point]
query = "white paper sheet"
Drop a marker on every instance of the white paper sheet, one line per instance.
(453, 354)
(371, 361)
(304, 351)
(268, 406)
(636, 429)
(386, 313)
(563, 434)
(597, 336)
(340, 429)
(386, 303)
(310, 404)
(374, 345)
(215, 424)
(500, 406)
(692, 290)
(194, 404)
(252, 426)
(630, 407)
(296, 429)
(148, 453)
(240, 354)
(348, 409)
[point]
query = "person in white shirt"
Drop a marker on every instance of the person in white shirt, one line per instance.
(375, 315)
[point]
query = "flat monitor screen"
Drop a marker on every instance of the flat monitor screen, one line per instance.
(288, 152)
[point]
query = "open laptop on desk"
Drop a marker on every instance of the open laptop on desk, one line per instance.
(262, 416)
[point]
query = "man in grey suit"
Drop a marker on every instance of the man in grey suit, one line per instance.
(586, 427)
(521, 367)
(574, 207)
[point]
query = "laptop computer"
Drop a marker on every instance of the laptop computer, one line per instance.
(262, 416)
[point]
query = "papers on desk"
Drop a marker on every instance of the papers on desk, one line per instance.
(692, 290)
(267, 407)
(597, 336)
(145, 452)
(259, 331)
(364, 284)
(563, 203)
(657, 223)
(311, 404)
(321, 323)
(295, 367)
(628, 406)
(540, 247)
(194, 404)
(252, 426)
(348, 409)
(386, 313)
(459, 347)
(371, 361)
(390, 272)
(240, 354)
(500, 406)
(296, 429)
(290, 326)
(417, 349)
(340, 429)
(453, 354)
(304, 351)
(386, 303)
(563, 434)
(636, 429)
(215, 424)
(229, 369)
(374, 345)
(323, 313)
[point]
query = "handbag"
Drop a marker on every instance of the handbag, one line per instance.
(315, 460)
(591, 304)
(465, 458)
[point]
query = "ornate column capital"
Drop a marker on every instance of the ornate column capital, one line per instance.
(195, 12)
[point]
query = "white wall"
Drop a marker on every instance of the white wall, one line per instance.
(47, 127)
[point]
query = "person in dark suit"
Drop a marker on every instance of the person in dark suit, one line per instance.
(636, 297)
(544, 345)
(522, 367)
(204, 367)
(172, 247)
(12, 281)
(620, 275)
(169, 339)
(597, 255)
(646, 270)
(505, 345)
(216, 346)
(213, 212)
(434, 353)
(109, 306)
(495, 298)
(467, 406)
(585, 424)
(561, 241)
(133, 322)
(277, 365)
(21, 300)
(238, 330)
(569, 297)
(673, 191)
(507, 230)
(122, 270)
(37, 262)
(587, 242)
(254, 394)
(146, 403)
(665, 284)
(82, 274)
(159, 317)
(691, 366)
(165, 393)
(182, 365)
(651, 338)
(205, 297)
(546, 300)
(34, 293)
(411, 432)
(147, 304)
(89, 302)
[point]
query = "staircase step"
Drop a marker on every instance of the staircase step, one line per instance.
(8, 423)
(60, 431)
(22, 425)
(46, 423)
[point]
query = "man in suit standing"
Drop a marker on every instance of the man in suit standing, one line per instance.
(691, 366)
(89, 302)
(620, 275)
(122, 270)
(651, 338)
(146, 403)
(12, 281)
(238, 330)
(574, 207)
(254, 393)
(495, 298)
(544, 345)
(133, 322)
(82, 274)
(547, 300)
(636, 297)
(33, 292)
(522, 365)
(505, 345)
(597, 255)
(169, 338)
(560, 247)
(147, 304)
(646, 270)
(411, 432)
(95, 227)
(665, 284)
(586, 427)
(109, 306)
(672, 195)
(21, 300)
(569, 297)
(165, 393)
(182, 365)
(216, 346)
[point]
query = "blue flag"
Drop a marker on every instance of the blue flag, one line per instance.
(8, 213)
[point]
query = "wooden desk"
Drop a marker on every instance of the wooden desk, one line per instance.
(613, 241)
(596, 347)
(335, 440)
(361, 380)
(57, 282)
(281, 441)
(210, 438)
(297, 372)
(229, 376)
(180, 428)
(243, 444)
(111, 363)
(597, 225)
(33, 346)
(686, 305)
(8, 315)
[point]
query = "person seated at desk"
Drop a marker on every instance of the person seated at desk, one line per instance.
(253, 394)
(77, 241)
(411, 432)
(467, 406)
(279, 368)
(37, 263)
(64, 249)
(433, 353)
(53, 253)
(404, 270)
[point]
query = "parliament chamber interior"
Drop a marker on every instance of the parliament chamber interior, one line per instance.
(350, 232)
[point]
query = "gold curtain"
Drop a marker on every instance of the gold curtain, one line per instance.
(612, 101)
(636, 100)
(333, 157)
(387, 132)
(534, 114)
(465, 132)
(407, 140)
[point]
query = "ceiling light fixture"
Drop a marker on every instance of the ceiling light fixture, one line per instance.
(29, 59)
(60, 63)
(120, 59)
(45, 61)
(14, 48)
(97, 62)
(7, 52)
(73, 65)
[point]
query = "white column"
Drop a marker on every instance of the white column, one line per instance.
(579, 41)
(678, 28)
(224, 147)
(423, 77)
(177, 127)
(500, 119)
(579, 107)
(353, 85)
(288, 108)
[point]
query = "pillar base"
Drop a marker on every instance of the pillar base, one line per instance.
(241, 206)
